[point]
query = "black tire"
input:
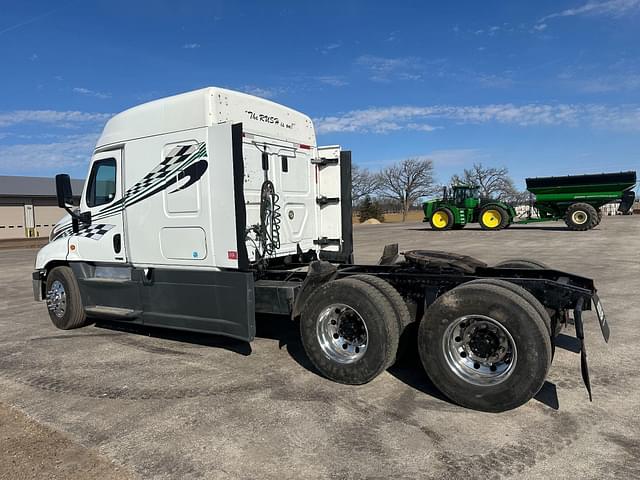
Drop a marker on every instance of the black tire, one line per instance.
(449, 216)
(515, 315)
(581, 217)
(73, 315)
(502, 221)
(402, 315)
(518, 290)
(522, 263)
(380, 320)
(556, 326)
(600, 214)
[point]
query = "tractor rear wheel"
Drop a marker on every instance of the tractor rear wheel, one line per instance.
(441, 219)
(493, 217)
(581, 217)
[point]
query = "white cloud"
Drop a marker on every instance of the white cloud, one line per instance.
(52, 117)
(455, 157)
(383, 69)
(191, 46)
(421, 127)
(65, 153)
(610, 83)
(328, 48)
(259, 91)
(333, 80)
(621, 76)
(34, 57)
(389, 119)
(91, 93)
(612, 8)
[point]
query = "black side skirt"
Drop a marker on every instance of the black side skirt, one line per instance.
(219, 302)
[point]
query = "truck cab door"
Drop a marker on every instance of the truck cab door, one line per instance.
(333, 204)
(101, 239)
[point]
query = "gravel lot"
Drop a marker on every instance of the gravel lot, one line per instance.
(159, 404)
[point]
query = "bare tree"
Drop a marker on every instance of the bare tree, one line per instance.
(406, 182)
(363, 183)
(493, 182)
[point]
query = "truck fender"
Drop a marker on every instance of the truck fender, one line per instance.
(55, 251)
(319, 273)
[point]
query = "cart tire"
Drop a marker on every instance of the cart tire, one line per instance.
(403, 317)
(441, 219)
(349, 331)
(485, 347)
(600, 214)
(63, 299)
(493, 217)
(522, 263)
(581, 217)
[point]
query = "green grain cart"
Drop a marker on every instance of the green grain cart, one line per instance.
(576, 199)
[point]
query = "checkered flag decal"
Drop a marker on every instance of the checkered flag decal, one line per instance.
(95, 232)
(167, 166)
(182, 158)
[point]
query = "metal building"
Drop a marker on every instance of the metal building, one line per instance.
(28, 206)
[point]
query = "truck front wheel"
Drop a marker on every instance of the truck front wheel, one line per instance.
(581, 217)
(349, 330)
(63, 299)
(485, 347)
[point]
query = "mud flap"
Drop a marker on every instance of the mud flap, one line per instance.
(584, 367)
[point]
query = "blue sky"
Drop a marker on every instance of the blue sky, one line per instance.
(544, 88)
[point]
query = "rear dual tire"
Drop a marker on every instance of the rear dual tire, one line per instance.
(485, 346)
(350, 329)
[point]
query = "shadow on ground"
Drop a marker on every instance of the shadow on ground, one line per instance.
(408, 368)
(511, 229)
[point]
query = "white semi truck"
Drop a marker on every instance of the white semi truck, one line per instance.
(207, 208)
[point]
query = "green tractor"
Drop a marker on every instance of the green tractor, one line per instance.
(461, 204)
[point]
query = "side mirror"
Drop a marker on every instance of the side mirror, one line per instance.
(63, 190)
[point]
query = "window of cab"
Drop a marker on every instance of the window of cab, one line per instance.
(102, 182)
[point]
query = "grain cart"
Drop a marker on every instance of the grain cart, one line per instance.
(577, 199)
(461, 204)
(204, 210)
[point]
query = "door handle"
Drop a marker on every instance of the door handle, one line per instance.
(117, 243)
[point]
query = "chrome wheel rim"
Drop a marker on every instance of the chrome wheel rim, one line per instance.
(579, 217)
(479, 350)
(57, 299)
(342, 333)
